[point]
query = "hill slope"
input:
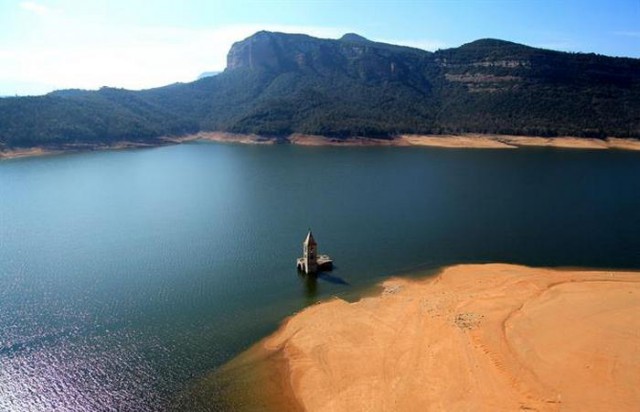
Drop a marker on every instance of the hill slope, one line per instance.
(277, 84)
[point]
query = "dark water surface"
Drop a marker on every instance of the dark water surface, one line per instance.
(126, 276)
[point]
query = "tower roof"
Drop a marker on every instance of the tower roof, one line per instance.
(309, 240)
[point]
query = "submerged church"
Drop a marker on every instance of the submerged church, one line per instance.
(311, 262)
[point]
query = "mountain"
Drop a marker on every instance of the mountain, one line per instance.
(278, 84)
(207, 74)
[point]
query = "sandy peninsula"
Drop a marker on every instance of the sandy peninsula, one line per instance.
(491, 337)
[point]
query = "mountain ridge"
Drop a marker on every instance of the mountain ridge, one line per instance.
(276, 84)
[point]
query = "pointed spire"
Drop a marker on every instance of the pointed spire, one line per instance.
(309, 240)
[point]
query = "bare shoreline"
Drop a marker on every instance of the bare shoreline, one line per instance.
(464, 141)
(25, 152)
(474, 337)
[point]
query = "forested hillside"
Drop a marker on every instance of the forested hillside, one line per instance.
(278, 84)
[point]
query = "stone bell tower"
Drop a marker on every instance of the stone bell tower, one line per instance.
(310, 254)
(311, 262)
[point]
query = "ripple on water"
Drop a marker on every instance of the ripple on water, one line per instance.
(92, 373)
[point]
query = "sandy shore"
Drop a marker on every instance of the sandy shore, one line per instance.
(457, 142)
(475, 337)
(16, 153)
(26, 152)
(466, 141)
(479, 141)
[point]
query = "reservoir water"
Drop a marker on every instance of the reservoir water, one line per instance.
(126, 276)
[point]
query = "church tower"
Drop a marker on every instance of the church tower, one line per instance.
(310, 254)
(311, 262)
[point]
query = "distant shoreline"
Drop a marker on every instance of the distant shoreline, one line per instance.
(25, 152)
(463, 141)
(474, 337)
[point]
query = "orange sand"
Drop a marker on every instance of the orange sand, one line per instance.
(490, 337)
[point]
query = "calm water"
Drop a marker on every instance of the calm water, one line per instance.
(125, 276)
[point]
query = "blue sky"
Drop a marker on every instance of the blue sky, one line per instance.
(53, 44)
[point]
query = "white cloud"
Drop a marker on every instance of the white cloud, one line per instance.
(34, 7)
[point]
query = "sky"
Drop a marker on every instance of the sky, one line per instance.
(136, 44)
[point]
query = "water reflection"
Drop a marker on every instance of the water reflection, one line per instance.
(310, 283)
(333, 279)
